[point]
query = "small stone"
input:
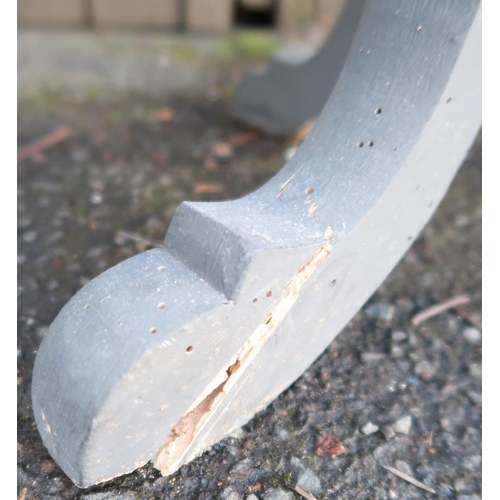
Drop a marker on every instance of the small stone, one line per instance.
(398, 336)
(403, 425)
(388, 432)
(475, 397)
(369, 428)
(252, 497)
(372, 357)
(475, 370)
(306, 478)
(30, 236)
(425, 369)
(404, 467)
(381, 311)
(277, 494)
(309, 482)
(397, 352)
(230, 494)
(462, 486)
(473, 335)
(109, 495)
(473, 463)
(96, 197)
(282, 433)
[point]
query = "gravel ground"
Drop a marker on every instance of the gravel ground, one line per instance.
(386, 392)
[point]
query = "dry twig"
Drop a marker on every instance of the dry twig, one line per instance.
(439, 308)
(47, 141)
(410, 479)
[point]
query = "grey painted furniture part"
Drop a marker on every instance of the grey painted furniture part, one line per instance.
(285, 95)
(169, 351)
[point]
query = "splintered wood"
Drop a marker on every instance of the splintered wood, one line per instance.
(175, 447)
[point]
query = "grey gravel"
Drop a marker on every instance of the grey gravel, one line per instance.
(381, 311)
(388, 432)
(122, 495)
(473, 335)
(306, 479)
(369, 428)
(277, 494)
(404, 467)
(403, 425)
(230, 494)
(372, 357)
(475, 370)
(398, 335)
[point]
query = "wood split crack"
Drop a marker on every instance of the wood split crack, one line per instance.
(171, 453)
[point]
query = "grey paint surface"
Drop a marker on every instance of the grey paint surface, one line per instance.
(284, 95)
(112, 379)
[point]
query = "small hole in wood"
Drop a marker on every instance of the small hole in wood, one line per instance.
(309, 190)
(153, 329)
(189, 348)
(371, 143)
(332, 283)
(268, 320)
(378, 111)
(448, 100)
(255, 300)
(269, 294)
(162, 305)
(361, 144)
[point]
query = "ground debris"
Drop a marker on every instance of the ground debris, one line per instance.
(303, 493)
(329, 446)
(224, 149)
(162, 115)
(208, 188)
(45, 142)
(408, 478)
(439, 308)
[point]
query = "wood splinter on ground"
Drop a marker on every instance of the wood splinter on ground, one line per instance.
(439, 308)
(303, 493)
(408, 478)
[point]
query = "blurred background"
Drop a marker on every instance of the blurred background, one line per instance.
(123, 113)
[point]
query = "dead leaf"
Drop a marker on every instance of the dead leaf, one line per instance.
(329, 446)
(45, 142)
(208, 188)
(224, 149)
(163, 115)
(255, 487)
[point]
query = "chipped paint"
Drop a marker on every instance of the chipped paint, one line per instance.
(175, 447)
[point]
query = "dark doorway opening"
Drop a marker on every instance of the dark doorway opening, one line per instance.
(255, 13)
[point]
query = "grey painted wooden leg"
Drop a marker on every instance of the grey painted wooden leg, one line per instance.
(171, 350)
